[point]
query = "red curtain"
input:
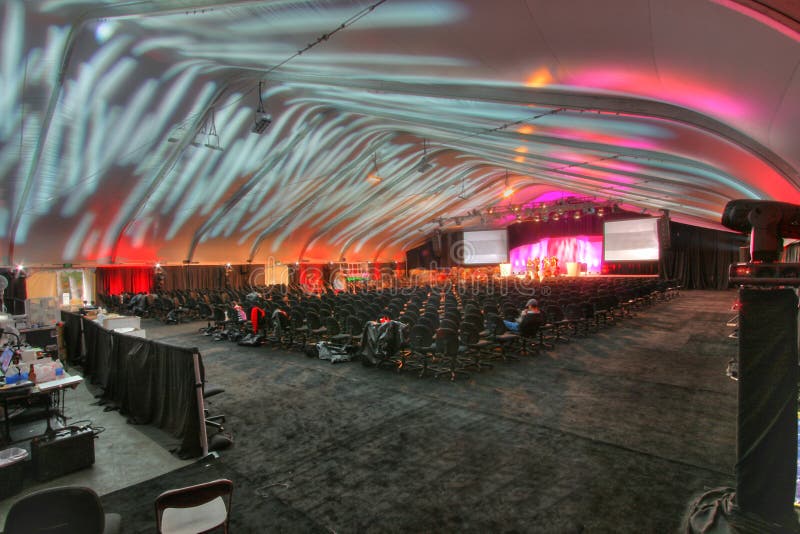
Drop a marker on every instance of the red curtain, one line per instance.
(115, 280)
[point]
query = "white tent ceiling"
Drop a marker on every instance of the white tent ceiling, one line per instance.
(107, 108)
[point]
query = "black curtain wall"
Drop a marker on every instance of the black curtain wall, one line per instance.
(700, 257)
(152, 383)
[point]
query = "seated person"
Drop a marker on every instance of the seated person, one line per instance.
(531, 307)
(241, 314)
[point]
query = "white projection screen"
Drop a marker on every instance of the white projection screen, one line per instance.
(631, 240)
(485, 246)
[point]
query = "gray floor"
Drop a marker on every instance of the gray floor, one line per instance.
(124, 454)
(663, 370)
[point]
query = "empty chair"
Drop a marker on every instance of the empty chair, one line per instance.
(333, 332)
(60, 510)
(557, 321)
(421, 346)
(210, 390)
(578, 323)
(476, 350)
(447, 347)
(197, 508)
(316, 329)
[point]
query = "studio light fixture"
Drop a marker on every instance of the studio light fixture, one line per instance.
(566, 209)
(262, 119)
(213, 138)
(177, 134)
(198, 136)
(424, 164)
(508, 190)
(374, 177)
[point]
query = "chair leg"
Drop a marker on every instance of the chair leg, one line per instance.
(215, 421)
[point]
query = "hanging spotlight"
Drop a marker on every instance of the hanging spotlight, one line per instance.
(577, 215)
(262, 119)
(374, 176)
(178, 134)
(198, 136)
(213, 138)
(424, 164)
(600, 212)
(508, 191)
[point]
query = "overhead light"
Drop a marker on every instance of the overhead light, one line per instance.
(424, 164)
(262, 119)
(178, 134)
(508, 191)
(198, 136)
(374, 176)
(600, 212)
(213, 138)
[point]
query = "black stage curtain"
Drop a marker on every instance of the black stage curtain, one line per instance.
(151, 382)
(421, 257)
(72, 336)
(700, 257)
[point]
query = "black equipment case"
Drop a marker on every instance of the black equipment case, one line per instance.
(64, 451)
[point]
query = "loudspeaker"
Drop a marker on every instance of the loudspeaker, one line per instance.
(664, 237)
(67, 450)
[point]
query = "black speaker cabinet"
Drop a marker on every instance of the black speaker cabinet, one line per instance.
(68, 450)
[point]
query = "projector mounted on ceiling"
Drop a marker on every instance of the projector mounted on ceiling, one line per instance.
(424, 165)
(261, 122)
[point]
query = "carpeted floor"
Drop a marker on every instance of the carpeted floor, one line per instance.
(615, 432)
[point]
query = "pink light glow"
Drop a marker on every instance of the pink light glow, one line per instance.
(581, 249)
(676, 88)
(603, 139)
(551, 196)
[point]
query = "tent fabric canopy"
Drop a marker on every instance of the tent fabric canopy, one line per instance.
(127, 126)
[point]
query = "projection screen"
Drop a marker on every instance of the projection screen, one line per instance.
(631, 240)
(485, 246)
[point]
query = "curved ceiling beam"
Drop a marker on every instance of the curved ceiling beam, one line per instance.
(564, 99)
(36, 158)
(351, 165)
(243, 191)
(165, 168)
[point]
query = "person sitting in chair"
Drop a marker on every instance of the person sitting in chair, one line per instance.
(531, 307)
(241, 315)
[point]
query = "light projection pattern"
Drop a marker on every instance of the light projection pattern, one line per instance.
(106, 120)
